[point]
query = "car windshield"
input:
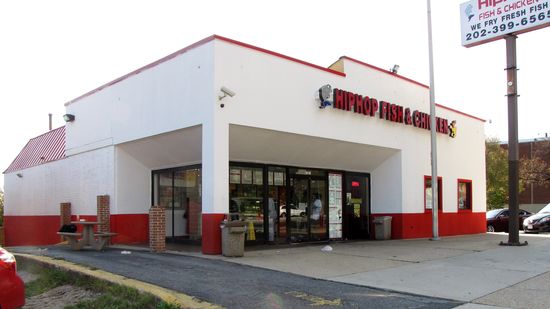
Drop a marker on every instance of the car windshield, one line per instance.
(545, 209)
(492, 213)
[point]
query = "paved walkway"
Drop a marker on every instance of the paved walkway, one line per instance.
(472, 269)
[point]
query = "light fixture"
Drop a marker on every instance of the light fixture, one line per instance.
(68, 117)
(19, 175)
(395, 68)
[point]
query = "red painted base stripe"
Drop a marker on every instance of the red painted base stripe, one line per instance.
(31, 230)
(42, 230)
(133, 228)
(211, 233)
(419, 225)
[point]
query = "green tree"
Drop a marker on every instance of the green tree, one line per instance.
(496, 160)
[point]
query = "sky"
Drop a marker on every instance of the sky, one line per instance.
(54, 51)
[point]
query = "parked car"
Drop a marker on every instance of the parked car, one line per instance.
(12, 288)
(497, 219)
(539, 222)
(294, 211)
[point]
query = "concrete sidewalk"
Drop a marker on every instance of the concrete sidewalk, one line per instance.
(472, 268)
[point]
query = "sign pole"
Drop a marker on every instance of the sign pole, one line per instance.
(435, 198)
(513, 148)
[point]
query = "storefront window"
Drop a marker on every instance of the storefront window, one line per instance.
(276, 179)
(428, 193)
(464, 194)
(246, 199)
(179, 192)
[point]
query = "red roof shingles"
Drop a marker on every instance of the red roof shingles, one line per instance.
(45, 148)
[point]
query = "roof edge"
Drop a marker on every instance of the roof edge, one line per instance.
(411, 81)
(195, 45)
(385, 71)
(459, 112)
(144, 68)
(13, 167)
(269, 52)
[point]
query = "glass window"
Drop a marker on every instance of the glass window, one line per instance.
(428, 193)
(276, 199)
(179, 192)
(246, 199)
(464, 194)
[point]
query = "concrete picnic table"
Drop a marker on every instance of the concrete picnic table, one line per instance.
(87, 237)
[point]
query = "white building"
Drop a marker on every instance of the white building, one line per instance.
(224, 127)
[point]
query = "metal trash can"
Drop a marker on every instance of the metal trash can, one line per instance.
(233, 238)
(382, 228)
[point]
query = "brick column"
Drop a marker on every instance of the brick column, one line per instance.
(103, 214)
(157, 229)
(64, 215)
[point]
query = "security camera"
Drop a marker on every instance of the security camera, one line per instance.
(228, 92)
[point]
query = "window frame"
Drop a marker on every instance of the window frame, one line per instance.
(469, 194)
(439, 192)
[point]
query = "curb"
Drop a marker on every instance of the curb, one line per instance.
(169, 296)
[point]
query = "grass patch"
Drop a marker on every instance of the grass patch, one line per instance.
(48, 278)
(111, 295)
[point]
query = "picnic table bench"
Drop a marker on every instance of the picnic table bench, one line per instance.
(72, 238)
(77, 241)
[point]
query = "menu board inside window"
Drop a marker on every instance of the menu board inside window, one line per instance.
(235, 175)
(335, 205)
(258, 177)
(246, 176)
(279, 178)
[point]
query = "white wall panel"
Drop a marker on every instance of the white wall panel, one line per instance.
(78, 180)
(133, 184)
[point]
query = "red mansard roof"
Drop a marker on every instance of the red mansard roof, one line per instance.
(45, 148)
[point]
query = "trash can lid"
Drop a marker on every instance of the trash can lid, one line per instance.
(382, 219)
(234, 223)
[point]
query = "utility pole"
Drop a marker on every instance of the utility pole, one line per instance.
(435, 197)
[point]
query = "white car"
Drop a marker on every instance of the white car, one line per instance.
(294, 211)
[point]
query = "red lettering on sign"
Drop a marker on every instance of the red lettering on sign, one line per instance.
(351, 101)
(408, 117)
(359, 104)
(366, 106)
(399, 117)
(338, 97)
(373, 106)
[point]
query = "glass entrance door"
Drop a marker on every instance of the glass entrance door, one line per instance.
(318, 216)
(276, 201)
(307, 212)
(356, 206)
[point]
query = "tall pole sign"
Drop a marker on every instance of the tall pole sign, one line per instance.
(484, 21)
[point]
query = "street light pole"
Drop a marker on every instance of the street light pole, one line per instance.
(435, 197)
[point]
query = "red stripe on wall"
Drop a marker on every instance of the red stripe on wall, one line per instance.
(131, 228)
(211, 233)
(31, 230)
(419, 225)
(42, 230)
